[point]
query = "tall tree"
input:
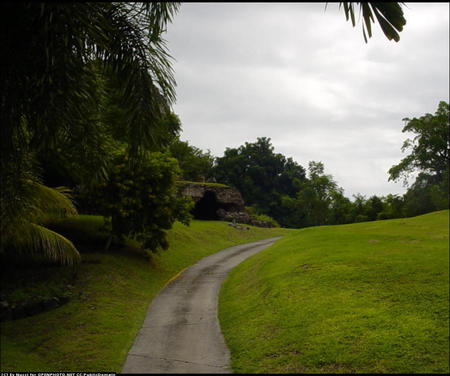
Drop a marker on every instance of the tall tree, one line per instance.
(260, 174)
(430, 147)
(316, 195)
(429, 155)
(52, 56)
(195, 164)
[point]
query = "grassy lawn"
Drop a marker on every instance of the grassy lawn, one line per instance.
(110, 296)
(363, 298)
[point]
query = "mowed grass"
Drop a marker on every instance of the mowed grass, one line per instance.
(96, 328)
(362, 298)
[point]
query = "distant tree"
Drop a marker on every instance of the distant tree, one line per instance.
(429, 149)
(429, 155)
(195, 164)
(261, 175)
(341, 207)
(373, 206)
(358, 213)
(318, 201)
(316, 195)
(392, 207)
(424, 197)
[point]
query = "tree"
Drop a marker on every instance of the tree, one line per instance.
(392, 207)
(358, 208)
(315, 196)
(140, 201)
(341, 206)
(429, 148)
(429, 155)
(373, 206)
(261, 175)
(52, 57)
(47, 81)
(195, 164)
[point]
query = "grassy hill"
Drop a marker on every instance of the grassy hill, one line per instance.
(362, 298)
(109, 296)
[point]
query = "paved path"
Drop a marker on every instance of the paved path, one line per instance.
(181, 332)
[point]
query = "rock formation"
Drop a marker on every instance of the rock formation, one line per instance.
(218, 202)
(210, 197)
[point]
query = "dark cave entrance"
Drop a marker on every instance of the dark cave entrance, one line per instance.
(206, 207)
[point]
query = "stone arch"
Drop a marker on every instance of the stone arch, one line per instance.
(206, 207)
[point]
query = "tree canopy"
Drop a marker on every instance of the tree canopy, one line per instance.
(78, 80)
(430, 147)
(195, 164)
(260, 174)
(429, 156)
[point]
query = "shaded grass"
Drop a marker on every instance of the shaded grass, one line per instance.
(363, 298)
(96, 328)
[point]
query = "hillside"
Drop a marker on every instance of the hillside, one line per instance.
(370, 297)
(109, 296)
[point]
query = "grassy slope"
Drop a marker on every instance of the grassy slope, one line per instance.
(94, 331)
(370, 297)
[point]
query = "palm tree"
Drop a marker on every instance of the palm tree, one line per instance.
(52, 56)
(46, 77)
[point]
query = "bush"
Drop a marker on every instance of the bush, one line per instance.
(140, 199)
(265, 218)
(256, 216)
(362, 218)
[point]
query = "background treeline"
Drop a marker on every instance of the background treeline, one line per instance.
(277, 186)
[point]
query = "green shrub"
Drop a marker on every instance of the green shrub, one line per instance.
(140, 199)
(361, 218)
(265, 218)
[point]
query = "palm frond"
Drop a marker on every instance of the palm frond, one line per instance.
(25, 204)
(52, 203)
(29, 240)
(46, 67)
(388, 14)
(36, 203)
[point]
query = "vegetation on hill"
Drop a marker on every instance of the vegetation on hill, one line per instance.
(362, 298)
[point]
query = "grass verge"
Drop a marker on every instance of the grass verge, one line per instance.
(110, 296)
(362, 298)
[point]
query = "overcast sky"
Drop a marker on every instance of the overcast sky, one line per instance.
(305, 78)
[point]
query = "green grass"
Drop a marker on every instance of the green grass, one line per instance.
(208, 184)
(96, 328)
(362, 298)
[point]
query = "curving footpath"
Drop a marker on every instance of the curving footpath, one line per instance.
(181, 332)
